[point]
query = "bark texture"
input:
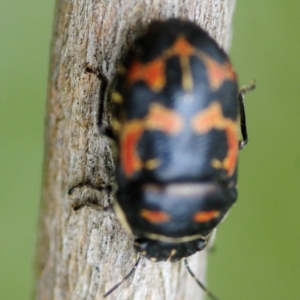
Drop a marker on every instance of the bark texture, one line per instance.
(82, 254)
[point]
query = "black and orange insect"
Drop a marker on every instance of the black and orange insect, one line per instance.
(177, 121)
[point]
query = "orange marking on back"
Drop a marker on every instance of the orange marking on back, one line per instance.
(217, 73)
(155, 216)
(159, 118)
(229, 162)
(163, 119)
(152, 73)
(130, 135)
(205, 216)
(213, 118)
(181, 47)
(208, 118)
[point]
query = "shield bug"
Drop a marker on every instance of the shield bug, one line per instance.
(177, 119)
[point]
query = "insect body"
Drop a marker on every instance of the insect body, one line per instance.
(176, 124)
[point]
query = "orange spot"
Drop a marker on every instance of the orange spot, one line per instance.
(213, 118)
(208, 118)
(205, 216)
(229, 162)
(155, 216)
(159, 118)
(130, 135)
(217, 73)
(152, 73)
(163, 119)
(181, 47)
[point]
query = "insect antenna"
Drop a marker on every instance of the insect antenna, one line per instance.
(203, 287)
(125, 278)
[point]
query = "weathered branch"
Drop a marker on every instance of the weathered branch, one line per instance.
(82, 254)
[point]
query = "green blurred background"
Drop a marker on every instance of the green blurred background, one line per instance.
(258, 247)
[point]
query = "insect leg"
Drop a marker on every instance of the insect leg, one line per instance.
(241, 95)
(104, 129)
(91, 204)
